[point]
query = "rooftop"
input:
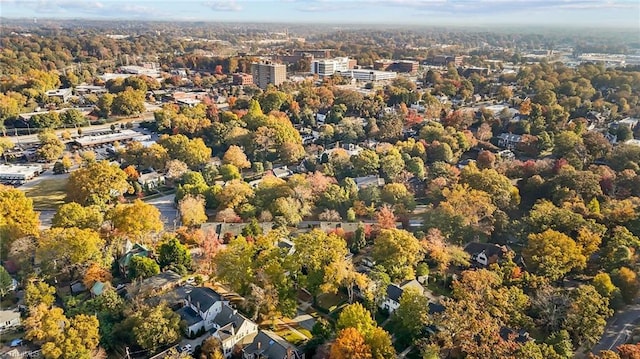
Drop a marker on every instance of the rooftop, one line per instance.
(8, 315)
(204, 297)
(123, 135)
(189, 315)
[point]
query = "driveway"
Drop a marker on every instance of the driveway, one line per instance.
(167, 208)
(619, 328)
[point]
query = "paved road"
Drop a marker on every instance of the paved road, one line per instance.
(168, 211)
(619, 328)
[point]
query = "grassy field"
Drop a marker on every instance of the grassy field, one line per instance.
(48, 193)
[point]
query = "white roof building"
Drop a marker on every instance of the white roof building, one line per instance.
(19, 172)
(124, 135)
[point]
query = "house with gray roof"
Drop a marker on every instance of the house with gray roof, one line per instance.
(394, 292)
(269, 345)
(202, 305)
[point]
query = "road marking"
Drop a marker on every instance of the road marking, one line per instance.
(624, 331)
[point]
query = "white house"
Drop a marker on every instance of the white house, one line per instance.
(231, 327)
(202, 305)
(394, 292)
(9, 319)
(485, 253)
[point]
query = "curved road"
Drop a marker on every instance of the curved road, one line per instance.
(619, 328)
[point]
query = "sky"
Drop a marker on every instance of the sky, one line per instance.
(587, 13)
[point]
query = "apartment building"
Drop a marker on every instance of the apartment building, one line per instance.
(265, 73)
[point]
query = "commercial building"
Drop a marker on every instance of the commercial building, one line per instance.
(19, 173)
(444, 60)
(107, 138)
(407, 66)
(318, 54)
(328, 67)
(149, 69)
(62, 94)
(90, 89)
(369, 75)
(265, 73)
(242, 79)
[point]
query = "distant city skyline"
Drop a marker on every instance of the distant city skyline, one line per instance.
(586, 13)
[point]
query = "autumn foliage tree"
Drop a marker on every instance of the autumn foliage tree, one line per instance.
(17, 217)
(136, 220)
(96, 273)
(236, 156)
(350, 345)
(553, 254)
(99, 183)
(192, 211)
(385, 217)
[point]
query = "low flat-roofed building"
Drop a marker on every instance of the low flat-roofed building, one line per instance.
(96, 140)
(63, 94)
(19, 172)
(189, 102)
(112, 76)
(90, 89)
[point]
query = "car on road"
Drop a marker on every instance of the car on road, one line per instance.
(186, 349)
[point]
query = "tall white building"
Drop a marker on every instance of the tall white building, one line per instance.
(328, 67)
(265, 73)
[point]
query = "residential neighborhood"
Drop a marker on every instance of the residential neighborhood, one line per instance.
(210, 189)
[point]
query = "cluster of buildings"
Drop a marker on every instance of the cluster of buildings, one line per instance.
(207, 311)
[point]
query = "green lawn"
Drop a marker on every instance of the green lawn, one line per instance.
(292, 337)
(48, 193)
(330, 302)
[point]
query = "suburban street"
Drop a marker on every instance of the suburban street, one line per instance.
(619, 328)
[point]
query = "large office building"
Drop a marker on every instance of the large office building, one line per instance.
(369, 75)
(407, 66)
(328, 67)
(265, 73)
